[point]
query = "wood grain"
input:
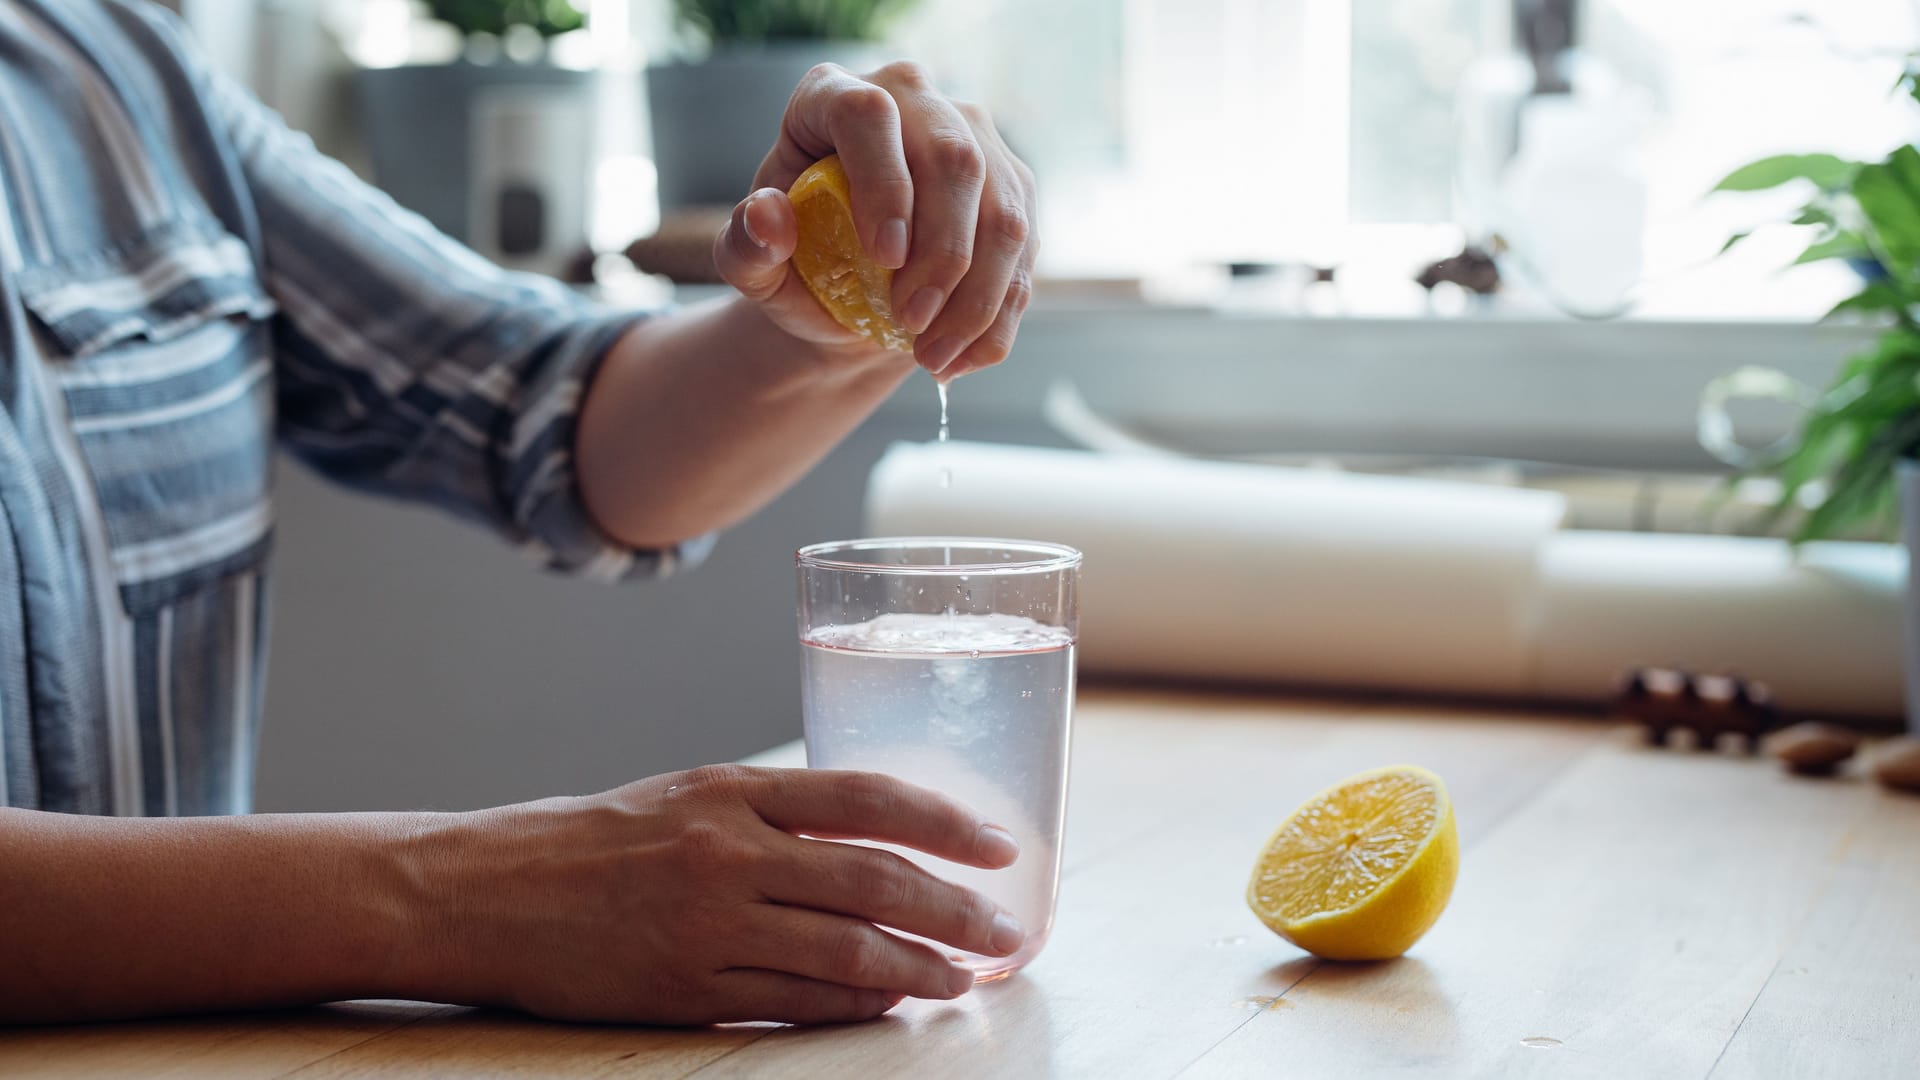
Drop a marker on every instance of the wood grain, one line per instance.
(475, 1042)
(1621, 912)
(1844, 999)
(206, 1047)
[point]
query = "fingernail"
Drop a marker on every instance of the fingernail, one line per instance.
(746, 222)
(1007, 934)
(943, 352)
(921, 308)
(960, 980)
(997, 845)
(890, 244)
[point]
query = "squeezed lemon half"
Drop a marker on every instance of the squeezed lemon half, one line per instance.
(855, 290)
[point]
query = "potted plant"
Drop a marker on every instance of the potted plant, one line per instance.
(494, 147)
(715, 114)
(1852, 464)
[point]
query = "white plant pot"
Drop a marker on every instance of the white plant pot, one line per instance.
(498, 156)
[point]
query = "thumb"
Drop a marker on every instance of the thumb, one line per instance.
(751, 252)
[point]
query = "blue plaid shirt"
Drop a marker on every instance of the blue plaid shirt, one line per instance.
(183, 281)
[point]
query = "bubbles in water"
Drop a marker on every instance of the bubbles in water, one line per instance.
(943, 635)
(1540, 1042)
(958, 687)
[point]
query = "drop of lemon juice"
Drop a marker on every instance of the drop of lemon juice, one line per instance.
(946, 471)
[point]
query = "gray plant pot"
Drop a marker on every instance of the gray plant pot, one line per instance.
(715, 119)
(498, 156)
(1907, 476)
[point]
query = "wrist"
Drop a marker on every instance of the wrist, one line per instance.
(415, 886)
(859, 361)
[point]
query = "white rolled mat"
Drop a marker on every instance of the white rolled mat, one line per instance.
(1253, 572)
(1822, 629)
(1205, 569)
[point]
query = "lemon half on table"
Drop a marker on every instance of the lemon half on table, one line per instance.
(1363, 869)
(854, 289)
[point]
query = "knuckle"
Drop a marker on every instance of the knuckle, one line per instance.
(956, 153)
(718, 779)
(909, 73)
(950, 260)
(1010, 226)
(879, 888)
(975, 113)
(1019, 293)
(705, 844)
(823, 72)
(857, 953)
(870, 797)
(976, 917)
(978, 316)
(990, 352)
(865, 103)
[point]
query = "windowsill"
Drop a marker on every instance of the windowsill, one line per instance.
(1523, 384)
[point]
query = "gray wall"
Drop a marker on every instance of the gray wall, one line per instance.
(419, 663)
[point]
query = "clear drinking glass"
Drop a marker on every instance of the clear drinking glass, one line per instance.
(948, 662)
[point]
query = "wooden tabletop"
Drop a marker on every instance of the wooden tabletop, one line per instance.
(1621, 911)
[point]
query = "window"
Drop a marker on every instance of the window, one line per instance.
(1173, 132)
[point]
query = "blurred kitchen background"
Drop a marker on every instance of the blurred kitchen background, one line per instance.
(1462, 237)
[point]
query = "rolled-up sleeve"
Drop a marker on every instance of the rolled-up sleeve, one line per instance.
(407, 365)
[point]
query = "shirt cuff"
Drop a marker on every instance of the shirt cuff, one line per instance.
(560, 533)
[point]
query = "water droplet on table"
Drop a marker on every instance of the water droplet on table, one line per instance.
(1540, 1042)
(1219, 942)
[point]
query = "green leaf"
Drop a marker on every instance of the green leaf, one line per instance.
(549, 17)
(1889, 196)
(1876, 296)
(1825, 170)
(762, 20)
(1864, 484)
(1732, 240)
(1841, 245)
(1852, 437)
(1814, 214)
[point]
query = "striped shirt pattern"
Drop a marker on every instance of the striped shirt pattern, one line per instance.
(184, 282)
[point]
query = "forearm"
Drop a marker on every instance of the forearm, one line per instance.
(107, 917)
(699, 418)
